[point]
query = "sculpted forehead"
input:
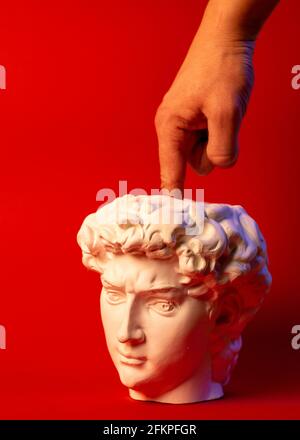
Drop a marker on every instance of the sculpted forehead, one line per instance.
(136, 274)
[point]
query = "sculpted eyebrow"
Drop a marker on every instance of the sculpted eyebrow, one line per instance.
(168, 291)
(107, 283)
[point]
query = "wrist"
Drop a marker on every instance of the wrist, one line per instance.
(232, 21)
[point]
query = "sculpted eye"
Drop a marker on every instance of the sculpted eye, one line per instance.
(114, 297)
(163, 307)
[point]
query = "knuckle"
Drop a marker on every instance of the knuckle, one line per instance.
(163, 117)
(170, 115)
(226, 109)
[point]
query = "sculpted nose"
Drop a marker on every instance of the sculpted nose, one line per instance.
(130, 329)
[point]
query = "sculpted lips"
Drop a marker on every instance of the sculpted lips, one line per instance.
(129, 359)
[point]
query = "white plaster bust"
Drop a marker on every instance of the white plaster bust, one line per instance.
(174, 305)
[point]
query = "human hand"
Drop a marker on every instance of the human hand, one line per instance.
(199, 118)
(206, 101)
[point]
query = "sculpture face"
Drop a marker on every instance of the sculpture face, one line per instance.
(156, 334)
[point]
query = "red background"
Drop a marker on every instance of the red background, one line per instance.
(84, 78)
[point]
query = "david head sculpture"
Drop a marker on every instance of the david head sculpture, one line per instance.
(174, 302)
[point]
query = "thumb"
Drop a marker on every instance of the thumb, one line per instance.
(223, 129)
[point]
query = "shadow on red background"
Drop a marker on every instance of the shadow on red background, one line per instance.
(84, 79)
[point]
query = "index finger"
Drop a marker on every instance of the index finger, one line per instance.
(174, 147)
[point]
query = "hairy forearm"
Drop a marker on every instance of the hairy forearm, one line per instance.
(236, 19)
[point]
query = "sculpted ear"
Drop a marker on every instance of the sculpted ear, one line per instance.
(226, 314)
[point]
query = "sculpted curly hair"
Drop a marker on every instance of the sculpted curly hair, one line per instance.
(223, 262)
